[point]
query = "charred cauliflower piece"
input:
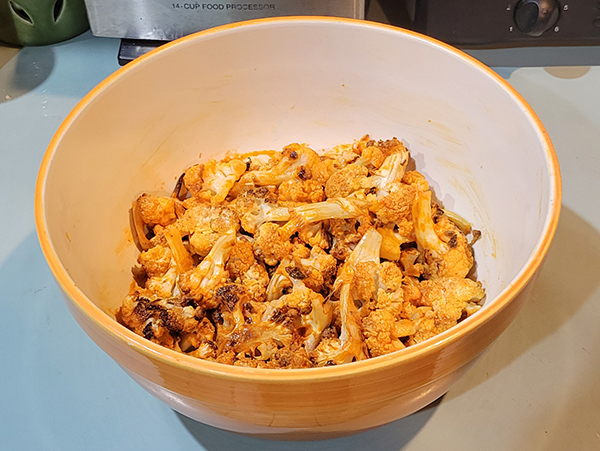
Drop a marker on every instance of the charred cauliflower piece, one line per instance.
(319, 269)
(150, 320)
(255, 206)
(310, 310)
(163, 321)
(341, 155)
(229, 299)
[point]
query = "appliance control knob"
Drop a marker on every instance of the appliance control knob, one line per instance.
(536, 16)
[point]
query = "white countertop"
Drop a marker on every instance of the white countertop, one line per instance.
(537, 388)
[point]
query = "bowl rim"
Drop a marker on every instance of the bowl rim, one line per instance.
(169, 357)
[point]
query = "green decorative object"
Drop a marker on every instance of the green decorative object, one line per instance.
(41, 22)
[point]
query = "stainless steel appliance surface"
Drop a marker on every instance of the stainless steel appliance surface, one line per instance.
(165, 20)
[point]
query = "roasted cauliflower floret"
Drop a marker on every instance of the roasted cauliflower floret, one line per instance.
(205, 224)
(269, 244)
(391, 146)
(396, 207)
(345, 234)
(341, 155)
(385, 324)
(392, 302)
(373, 153)
(416, 180)
(201, 282)
(301, 191)
(192, 179)
(315, 274)
(260, 341)
(243, 268)
(241, 258)
(198, 335)
(410, 261)
(163, 286)
(203, 216)
(320, 269)
(156, 210)
(212, 181)
(240, 336)
(256, 160)
(251, 198)
(155, 261)
(350, 345)
(315, 235)
(379, 287)
(286, 358)
(451, 297)
(256, 206)
(229, 316)
(157, 320)
(450, 256)
(307, 307)
(159, 237)
(389, 276)
(364, 282)
(365, 252)
(346, 181)
(390, 172)
(370, 278)
(273, 242)
(371, 157)
(297, 160)
(311, 310)
(334, 208)
(136, 317)
(361, 144)
(383, 332)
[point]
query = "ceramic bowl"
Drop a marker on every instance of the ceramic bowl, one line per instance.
(264, 84)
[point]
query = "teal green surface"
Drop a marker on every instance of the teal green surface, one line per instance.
(536, 389)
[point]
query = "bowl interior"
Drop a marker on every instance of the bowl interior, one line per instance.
(269, 83)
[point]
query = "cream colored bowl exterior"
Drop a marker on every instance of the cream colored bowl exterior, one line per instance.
(264, 84)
